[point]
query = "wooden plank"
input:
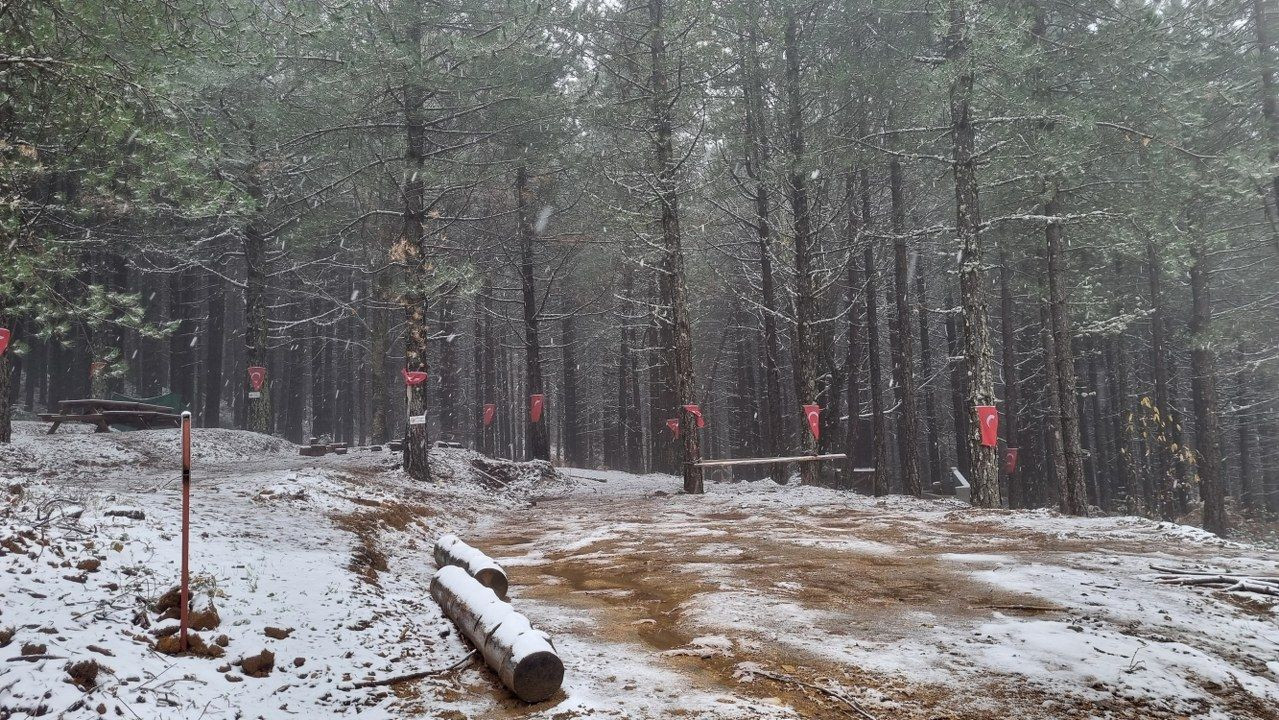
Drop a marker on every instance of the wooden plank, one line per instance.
(769, 461)
(98, 404)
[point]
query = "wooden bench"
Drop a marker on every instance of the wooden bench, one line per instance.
(57, 419)
(102, 414)
(147, 419)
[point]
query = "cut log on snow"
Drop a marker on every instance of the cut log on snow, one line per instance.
(523, 658)
(1229, 582)
(449, 550)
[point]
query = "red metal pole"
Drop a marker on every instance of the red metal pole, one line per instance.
(184, 620)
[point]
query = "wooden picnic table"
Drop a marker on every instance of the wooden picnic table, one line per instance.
(103, 413)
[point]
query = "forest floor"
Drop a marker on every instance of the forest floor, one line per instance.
(753, 601)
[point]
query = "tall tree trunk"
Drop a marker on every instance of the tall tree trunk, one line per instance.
(450, 375)
(1103, 462)
(1012, 401)
(857, 199)
(1268, 429)
(379, 349)
(930, 429)
(1052, 392)
(632, 422)
(479, 350)
(1074, 498)
(958, 389)
(1248, 491)
(256, 322)
(539, 442)
(181, 352)
(214, 336)
(489, 370)
(417, 266)
(984, 460)
(6, 408)
(880, 482)
(803, 350)
(1204, 388)
(903, 349)
(676, 298)
(1117, 379)
(756, 157)
(1163, 461)
(569, 411)
(1263, 14)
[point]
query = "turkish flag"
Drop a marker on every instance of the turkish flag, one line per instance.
(988, 417)
(5, 334)
(814, 415)
(489, 411)
(413, 378)
(697, 413)
(1010, 460)
(535, 403)
(673, 425)
(257, 376)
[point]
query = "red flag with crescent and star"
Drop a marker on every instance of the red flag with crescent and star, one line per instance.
(413, 378)
(5, 334)
(535, 404)
(988, 417)
(814, 414)
(257, 376)
(490, 410)
(1010, 460)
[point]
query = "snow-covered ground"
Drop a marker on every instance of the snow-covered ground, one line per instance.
(754, 601)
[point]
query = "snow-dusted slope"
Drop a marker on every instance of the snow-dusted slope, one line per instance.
(754, 601)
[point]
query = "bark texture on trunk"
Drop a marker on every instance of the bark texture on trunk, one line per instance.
(1073, 499)
(539, 441)
(804, 348)
(858, 432)
(756, 156)
(256, 327)
(879, 423)
(1263, 17)
(1203, 380)
(903, 349)
(676, 299)
(411, 252)
(983, 460)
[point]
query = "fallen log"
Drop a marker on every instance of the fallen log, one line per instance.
(523, 658)
(449, 550)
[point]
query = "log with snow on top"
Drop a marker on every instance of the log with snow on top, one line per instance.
(523, 658)
(450, 550)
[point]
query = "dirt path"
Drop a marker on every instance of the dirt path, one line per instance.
(765, 599)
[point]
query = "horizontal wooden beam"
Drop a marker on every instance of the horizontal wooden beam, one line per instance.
(770, 461)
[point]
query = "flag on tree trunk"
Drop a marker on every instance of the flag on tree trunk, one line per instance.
(490, 410)
(814, 415)
(988, 417)
(535, 403)
(257, 376)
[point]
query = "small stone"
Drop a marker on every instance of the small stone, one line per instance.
(277, 633)
(89, 565)
(299, 662)
(34, 649)
(231, 677)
